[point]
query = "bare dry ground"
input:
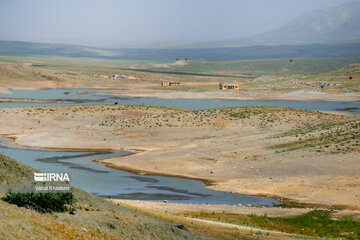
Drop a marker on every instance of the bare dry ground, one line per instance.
(306, 156)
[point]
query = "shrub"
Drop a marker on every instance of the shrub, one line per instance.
(41, 202)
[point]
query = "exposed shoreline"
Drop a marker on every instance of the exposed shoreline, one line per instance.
(207, 181)
(232, 95)
(299, 95)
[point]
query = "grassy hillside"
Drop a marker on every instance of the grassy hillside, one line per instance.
(95, 218)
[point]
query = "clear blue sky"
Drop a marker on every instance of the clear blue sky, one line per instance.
(117, 22)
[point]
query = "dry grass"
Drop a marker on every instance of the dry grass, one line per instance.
(330, 137)
(212, 230)
(262, 117)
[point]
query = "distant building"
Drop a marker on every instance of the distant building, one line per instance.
(174, 83)
(170, 83)
(228, 86)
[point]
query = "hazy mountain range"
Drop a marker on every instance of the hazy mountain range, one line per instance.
(339, 24)
(333, 32)
(334, 25)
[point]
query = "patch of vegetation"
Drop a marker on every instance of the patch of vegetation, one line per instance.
(285, 203)
(41, 202)
(337, 137)
(317, 223)
(246, 112)
(322, 126)
(208, 231)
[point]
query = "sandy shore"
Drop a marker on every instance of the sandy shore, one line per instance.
(19, 100)
(300, 95)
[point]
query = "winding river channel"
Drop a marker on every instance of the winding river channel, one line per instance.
(96, 178)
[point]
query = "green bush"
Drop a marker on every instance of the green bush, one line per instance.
(41, 202)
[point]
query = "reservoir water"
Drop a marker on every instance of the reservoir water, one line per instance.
(97, 179)
(91, 96)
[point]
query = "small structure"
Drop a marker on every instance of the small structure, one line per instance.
(174, 83)
(170, 83)
(228, 86)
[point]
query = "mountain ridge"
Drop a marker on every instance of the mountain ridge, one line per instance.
(335, 25)
(340, 24)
